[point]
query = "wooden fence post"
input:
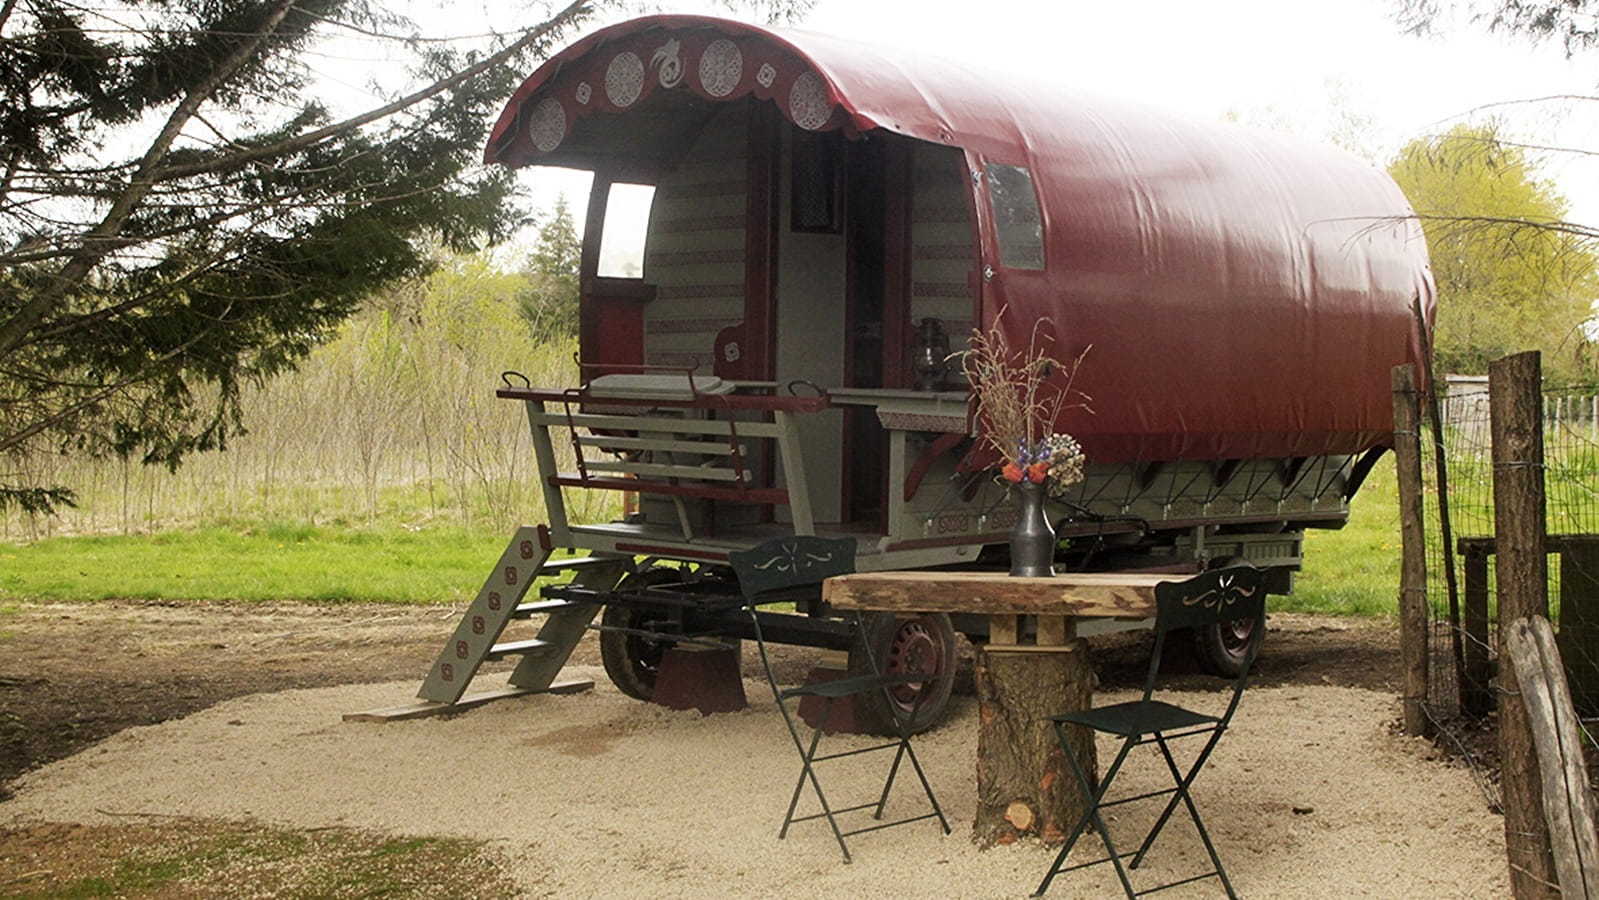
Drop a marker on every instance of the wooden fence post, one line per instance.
(1413, 568)
(1567, 799)
(1522, 585)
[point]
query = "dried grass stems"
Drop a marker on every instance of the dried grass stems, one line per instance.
(1020, 397)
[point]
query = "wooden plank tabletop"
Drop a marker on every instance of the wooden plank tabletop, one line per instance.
(1118, 595)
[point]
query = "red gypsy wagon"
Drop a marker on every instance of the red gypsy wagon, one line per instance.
(828, 221)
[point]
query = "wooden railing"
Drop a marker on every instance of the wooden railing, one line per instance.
(685, 444)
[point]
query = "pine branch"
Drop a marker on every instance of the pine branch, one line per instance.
(102, 240)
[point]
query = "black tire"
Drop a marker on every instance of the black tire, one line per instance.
(923, 644)
(632, 661)
(1221, 648)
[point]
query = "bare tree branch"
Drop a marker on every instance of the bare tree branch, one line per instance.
(310, 138)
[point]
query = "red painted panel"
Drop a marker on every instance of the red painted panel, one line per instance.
(611, 332)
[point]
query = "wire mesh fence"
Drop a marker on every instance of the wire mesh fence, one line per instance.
(1459, 502)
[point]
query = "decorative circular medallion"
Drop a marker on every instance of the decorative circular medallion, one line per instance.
(721, 67)
(807, 102)
(624, 79)
(547, 125)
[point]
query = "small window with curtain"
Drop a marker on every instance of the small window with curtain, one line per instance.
(1016, 217)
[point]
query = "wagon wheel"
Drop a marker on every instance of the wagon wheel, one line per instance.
(632, 661)
(1221, 647)
(923, 644)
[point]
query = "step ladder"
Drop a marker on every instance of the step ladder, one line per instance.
(477, 636)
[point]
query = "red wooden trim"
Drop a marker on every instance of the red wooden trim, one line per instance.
(702, 223)
(760, 244)
(700, 291)
(976, 211)
(698, 257)
(593, 227)
(589, 303)
(689, 326)
(617, 288)
(897, 248)
(703, 401)
(767, 496)
(760, 256)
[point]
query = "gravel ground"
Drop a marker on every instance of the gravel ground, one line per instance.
(596, 795)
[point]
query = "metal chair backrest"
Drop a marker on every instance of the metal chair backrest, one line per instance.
(784, 563)
(790, 562)
(1209, 598)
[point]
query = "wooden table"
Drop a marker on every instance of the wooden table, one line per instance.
(1033, 666)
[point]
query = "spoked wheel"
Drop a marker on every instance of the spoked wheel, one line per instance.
(923, 645)
(632, 660)
(1222, 647)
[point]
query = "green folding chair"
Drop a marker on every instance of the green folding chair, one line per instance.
(1217, 596)
(764, 573)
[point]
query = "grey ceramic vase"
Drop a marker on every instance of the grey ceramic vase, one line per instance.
(1032, 540)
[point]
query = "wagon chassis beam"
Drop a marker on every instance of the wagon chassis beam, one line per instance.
(705, 619)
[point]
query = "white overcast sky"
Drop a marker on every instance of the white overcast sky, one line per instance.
(1277, 63)
(1271, 61)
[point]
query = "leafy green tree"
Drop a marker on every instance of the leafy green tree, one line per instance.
(180, 214)
(549, 302)
(1509, 277)
(1574, 23)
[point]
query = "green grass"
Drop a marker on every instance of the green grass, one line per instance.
(1354, 571)
(256, 563)
(1350, 571)
(194, 858)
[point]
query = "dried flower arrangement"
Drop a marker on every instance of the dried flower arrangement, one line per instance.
(1017, 404)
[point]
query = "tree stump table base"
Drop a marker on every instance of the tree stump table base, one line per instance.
(1025, 785)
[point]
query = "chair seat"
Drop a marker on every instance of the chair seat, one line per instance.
(848, 687)
(1137, 718)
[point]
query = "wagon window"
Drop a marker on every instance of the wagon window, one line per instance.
(1016, 217)
(627, 222)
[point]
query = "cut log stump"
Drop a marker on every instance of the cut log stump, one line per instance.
(1025, 785)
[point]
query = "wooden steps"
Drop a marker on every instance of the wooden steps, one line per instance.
(477, 636)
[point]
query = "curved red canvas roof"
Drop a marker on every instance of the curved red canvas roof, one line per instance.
(1245, 293)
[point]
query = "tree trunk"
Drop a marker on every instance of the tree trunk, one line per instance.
(1025, 785)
